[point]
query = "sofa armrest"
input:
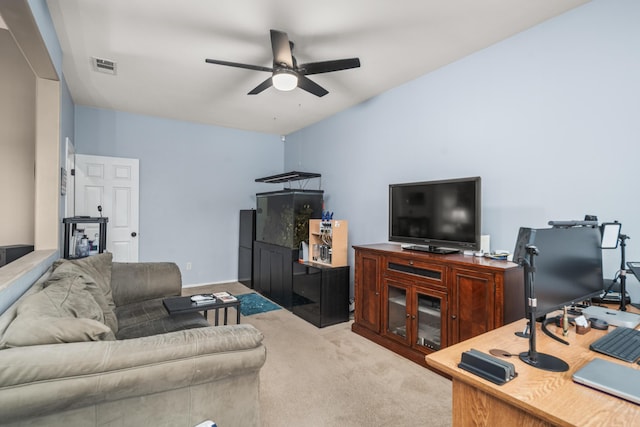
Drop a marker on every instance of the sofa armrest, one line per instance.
(38, 380)
(140, 281)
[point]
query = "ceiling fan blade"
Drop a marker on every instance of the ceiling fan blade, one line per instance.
(238, 65)
(310, 86)
(262, 86)
(281, 49)
(329, 66)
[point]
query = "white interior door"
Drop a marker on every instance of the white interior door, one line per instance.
(113, 183)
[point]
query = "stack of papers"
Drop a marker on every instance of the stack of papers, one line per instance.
(224, 297)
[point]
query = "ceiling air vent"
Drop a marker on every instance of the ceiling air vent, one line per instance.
(104, 65)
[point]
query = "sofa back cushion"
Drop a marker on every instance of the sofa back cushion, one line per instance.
(64, 311)
(96, 273)
(134, 282)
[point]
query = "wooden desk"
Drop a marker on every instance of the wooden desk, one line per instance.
(535, 397)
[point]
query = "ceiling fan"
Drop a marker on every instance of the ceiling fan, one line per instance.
(286, 73)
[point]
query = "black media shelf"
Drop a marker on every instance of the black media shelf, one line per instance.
(70, 225)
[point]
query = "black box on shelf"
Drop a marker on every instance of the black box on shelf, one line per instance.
(13, 252)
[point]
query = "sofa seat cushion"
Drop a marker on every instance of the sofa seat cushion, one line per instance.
(63, 311)
(146, 318)
(96, 271)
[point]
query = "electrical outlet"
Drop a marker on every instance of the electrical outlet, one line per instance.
(189, 265)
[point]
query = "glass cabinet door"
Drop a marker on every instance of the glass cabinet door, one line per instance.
(429, 321)
(397, 311)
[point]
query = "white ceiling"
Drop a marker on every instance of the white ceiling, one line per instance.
(160, 48)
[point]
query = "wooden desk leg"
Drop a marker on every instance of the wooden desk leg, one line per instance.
(216, 323)
(238, 313)
(225, 315)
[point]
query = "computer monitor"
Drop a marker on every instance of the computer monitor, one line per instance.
(568, 267)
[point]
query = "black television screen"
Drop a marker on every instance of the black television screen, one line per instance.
(436, 214)
(568, 267)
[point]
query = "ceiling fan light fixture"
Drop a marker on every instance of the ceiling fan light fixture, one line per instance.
(284, 80)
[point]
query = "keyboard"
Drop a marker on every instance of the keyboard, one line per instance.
(621, 343)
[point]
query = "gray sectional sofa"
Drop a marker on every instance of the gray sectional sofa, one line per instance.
(91, 344)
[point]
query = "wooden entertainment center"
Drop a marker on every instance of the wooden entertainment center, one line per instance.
(415, 303)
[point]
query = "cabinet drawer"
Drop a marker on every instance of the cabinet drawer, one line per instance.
(417, 269)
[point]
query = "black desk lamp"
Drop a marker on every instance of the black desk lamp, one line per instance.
(611, 236)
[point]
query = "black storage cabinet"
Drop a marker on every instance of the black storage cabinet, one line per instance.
(272, 272)
(320, 293)
(245, 249)
(282, 222)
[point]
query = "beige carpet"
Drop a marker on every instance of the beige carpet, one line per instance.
(333, 377)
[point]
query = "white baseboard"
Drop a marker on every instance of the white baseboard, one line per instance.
(195, 285)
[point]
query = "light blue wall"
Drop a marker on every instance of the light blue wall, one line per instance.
(194, 179)
(550, 119)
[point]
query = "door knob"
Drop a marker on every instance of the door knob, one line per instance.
(134, 234)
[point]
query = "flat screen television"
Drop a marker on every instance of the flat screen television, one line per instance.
(568, 267)
(436, 216)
